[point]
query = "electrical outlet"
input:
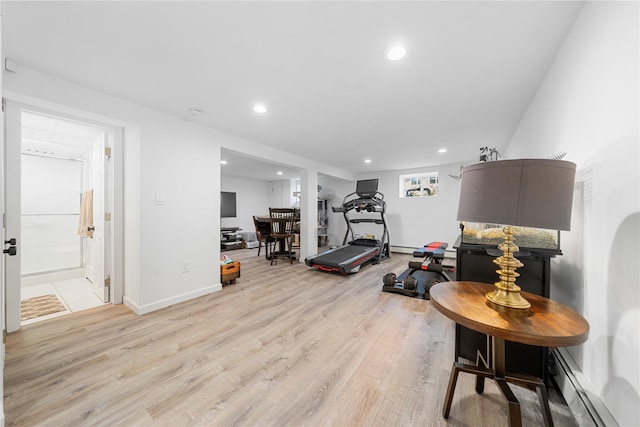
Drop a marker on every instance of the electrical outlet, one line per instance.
(185, 267)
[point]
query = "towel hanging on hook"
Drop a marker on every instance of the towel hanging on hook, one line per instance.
(85, 226)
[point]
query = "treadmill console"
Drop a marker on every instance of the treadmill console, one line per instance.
(367, 188)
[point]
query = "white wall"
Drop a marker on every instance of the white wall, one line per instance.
(252, 198)
(413, 222)
(587, 106)
(186, 227)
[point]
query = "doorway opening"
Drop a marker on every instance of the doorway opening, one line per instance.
(63, 193)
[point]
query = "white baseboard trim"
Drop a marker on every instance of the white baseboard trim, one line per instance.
(401, 249)
(157, 305)
(586, 406)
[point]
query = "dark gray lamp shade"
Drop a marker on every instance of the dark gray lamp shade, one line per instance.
(524, 192)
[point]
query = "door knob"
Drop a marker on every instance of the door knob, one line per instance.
(11, 250)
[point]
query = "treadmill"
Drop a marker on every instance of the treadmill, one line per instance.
(349, 257)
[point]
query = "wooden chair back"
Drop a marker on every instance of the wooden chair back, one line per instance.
(283, 222)
(263, 228)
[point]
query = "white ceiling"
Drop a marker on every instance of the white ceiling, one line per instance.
(44, 135)
(469, 74)
(242, 166)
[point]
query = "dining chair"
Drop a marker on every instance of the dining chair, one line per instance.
(283, 222)
(263, 234)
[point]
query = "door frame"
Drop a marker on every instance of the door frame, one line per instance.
(115, 201)
(3, 311)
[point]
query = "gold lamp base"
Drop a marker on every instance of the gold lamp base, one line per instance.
(506, 292)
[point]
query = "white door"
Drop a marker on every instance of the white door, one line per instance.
(12, 210)
(2, 281)
(2, 237)
(12, 198)
(100, 241)
(277, 201)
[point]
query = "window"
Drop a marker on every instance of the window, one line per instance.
(419, 185)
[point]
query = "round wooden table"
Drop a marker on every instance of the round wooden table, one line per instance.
(546, 323)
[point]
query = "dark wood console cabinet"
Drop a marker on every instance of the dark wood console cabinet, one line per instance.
(475, 263)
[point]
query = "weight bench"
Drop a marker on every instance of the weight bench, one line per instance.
(434, 250)
(420, 276)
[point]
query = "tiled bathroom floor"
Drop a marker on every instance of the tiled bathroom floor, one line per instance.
(76, 294)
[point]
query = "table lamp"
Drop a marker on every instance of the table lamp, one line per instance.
(534, 193)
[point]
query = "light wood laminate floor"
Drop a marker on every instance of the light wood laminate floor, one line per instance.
(285, 346)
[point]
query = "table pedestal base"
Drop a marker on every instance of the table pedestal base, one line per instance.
(501, 378)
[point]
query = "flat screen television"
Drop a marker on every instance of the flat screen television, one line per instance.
(227, 204)
(367, 187)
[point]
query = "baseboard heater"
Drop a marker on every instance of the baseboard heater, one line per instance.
(587, 408)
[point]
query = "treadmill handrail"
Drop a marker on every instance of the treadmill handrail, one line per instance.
(375, 204)
(369, 220)
(350, 202)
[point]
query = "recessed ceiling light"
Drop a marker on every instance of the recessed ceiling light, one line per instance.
(223, 162)
(367, 160)
(279, 172)
(259, 108)
(442, 150)
(395, 53)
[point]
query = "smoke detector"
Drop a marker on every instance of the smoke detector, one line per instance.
(195, 112)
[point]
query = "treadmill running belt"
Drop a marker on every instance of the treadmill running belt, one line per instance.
(345, 259)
